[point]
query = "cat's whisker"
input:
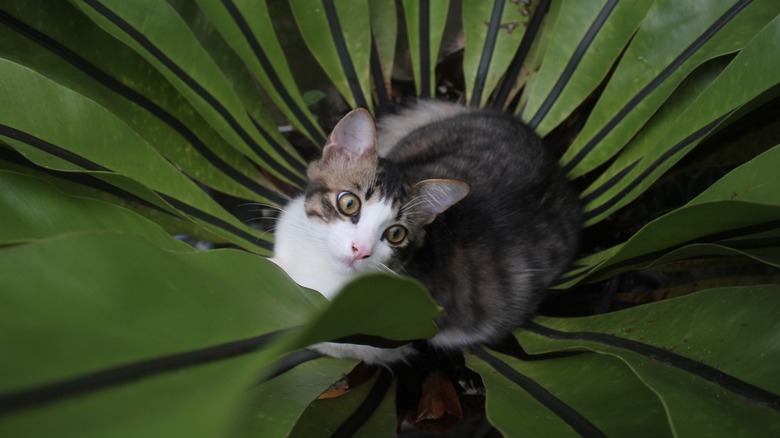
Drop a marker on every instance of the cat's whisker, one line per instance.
(269, 218)
(298, 224)
(257, 219)
(260, 205)
(386, 268)
(294, 218)
(261, 210)
(263, 234)
(253, 203)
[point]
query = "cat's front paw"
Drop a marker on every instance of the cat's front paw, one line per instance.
(366, 353)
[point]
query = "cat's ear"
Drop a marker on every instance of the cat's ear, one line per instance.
(437, 195)
(354, 136)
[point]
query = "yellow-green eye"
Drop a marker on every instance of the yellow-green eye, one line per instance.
(395, 234)
(348, 203)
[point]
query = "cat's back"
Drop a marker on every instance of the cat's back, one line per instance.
(487, 149)
(488, 259)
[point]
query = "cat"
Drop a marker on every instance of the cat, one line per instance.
(467, 201)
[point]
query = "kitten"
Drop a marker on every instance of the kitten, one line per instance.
(467, 201)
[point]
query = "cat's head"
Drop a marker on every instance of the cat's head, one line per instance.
(367, 214)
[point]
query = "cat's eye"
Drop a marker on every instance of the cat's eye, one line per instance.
(395, 234)
(348, 203)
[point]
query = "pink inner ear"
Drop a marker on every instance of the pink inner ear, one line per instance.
(353, 136)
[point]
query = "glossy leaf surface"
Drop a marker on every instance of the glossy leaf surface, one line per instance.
(587, 39)
(707, 356)
(673, 40)
(492, 32)
(146, 27)
(425, 22)
(339, 36)
(58, 145)
(742, 203)
(247, 27)
(73, 364)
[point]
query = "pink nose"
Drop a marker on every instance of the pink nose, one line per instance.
(360, 252)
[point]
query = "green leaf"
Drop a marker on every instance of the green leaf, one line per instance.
(673, 40)
(196, 403)
(354, 310)
(247, 27)
(58, 41)
(63, 144)
(693, 86)
(241, 79)
(105, 303)
(741, 203)
(708, 356)
(339, 36)
(96, 333)
(324, 417)
(625, 405)
(425, 22)
(709, 222)
(768, 255)
(146, 27)
(35, 209)
(82, 188)
(747, 77)
(273, 408)
(526, 77)
(311, 97)
(492, 34)
(754, 181)
(586, 41)
(384, 30)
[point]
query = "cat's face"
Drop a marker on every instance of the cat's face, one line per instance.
(362, 228)
(364, 213)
